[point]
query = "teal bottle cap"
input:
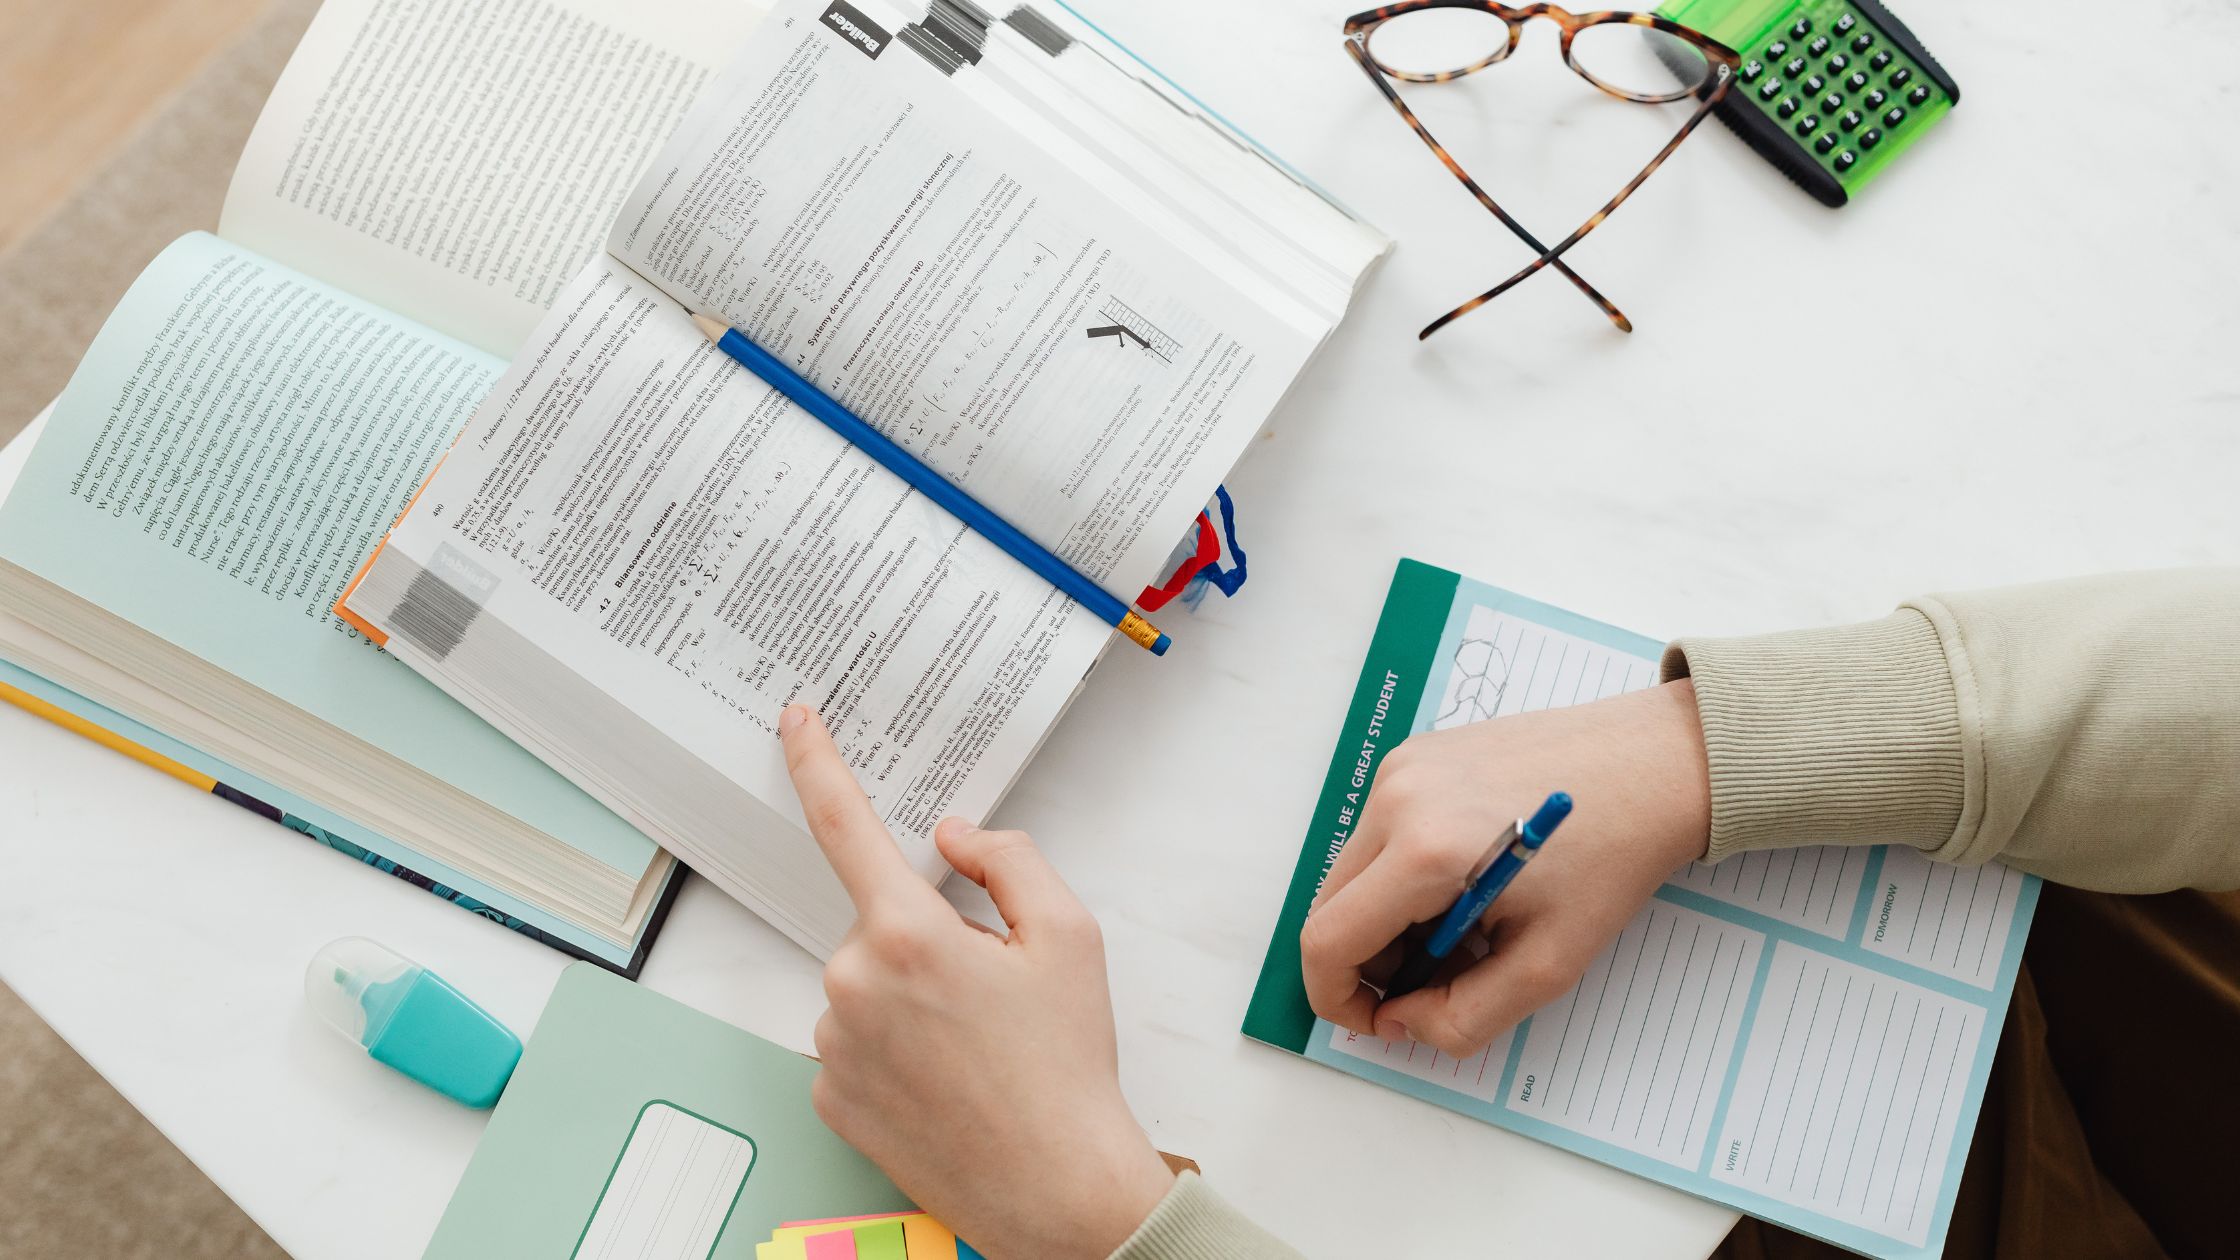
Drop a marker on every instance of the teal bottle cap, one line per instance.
(408, 1017)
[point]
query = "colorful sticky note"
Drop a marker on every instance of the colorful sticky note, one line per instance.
(928, 1239)
(880, 1236)
(879, 1240)
(965, 1251)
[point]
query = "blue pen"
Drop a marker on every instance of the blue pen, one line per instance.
(1516, 846)
(933, 485)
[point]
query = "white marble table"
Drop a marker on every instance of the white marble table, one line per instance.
(2041, 299)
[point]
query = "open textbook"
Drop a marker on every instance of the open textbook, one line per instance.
(263, 401)
(1803, 1034)
(637, 553)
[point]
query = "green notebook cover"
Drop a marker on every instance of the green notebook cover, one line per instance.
(637, 1126)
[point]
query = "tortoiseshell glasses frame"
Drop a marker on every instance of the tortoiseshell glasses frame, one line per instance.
(1721, 64)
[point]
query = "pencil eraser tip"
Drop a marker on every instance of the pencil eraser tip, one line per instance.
(1160, 648)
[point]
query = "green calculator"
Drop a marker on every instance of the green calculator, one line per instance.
(1830, 91)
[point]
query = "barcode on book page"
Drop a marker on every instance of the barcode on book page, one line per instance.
(441, 602)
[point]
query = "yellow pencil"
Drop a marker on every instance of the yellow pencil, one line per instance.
(107, 739)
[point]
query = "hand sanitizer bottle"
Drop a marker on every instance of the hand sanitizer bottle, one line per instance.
(404, 1015)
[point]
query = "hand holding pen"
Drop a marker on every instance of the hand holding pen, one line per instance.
(1511, 850)
(1637, 767)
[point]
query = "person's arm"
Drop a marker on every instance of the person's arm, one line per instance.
(978, 1069)
(2087, 731)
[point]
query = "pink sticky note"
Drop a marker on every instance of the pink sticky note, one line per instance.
(838, 1245)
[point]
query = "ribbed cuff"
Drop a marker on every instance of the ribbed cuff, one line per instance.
(1848, 735)
(1194, 1223)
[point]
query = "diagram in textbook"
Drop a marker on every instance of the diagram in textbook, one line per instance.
(1120, 322)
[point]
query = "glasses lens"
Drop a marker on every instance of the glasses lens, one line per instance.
(1429, 43)
(1639, 61)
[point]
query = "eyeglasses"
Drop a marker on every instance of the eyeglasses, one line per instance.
(1632, 56)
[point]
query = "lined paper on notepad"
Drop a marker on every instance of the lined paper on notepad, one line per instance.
(1801, 1033)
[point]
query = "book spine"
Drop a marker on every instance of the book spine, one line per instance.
(407, 874)
(92, 730)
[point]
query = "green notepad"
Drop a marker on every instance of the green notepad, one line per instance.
(636, 1126)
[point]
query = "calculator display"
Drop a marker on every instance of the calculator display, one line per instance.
(1830, 91)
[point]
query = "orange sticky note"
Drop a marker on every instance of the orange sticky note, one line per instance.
(928, 1239)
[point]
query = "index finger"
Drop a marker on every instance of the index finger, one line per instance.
(862, 852)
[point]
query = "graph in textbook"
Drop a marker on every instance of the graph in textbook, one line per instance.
(1126, 327)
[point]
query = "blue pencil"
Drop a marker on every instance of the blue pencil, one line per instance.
(933, 485)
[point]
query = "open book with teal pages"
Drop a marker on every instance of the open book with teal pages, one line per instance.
(1803, 1034)
(264, 399)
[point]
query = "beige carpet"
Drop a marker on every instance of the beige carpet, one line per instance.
(81, 1173)
(62, 280)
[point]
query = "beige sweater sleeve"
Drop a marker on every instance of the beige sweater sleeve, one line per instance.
(1194, 1223)
(2087, 731)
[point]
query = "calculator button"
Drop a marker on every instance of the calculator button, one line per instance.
(1801, 29)
(1851, 120)
(1817, 46)
(1900, 77)
(1838, 63)
(1824, 143)
(1788, 107)
(1863, 42)
(1751, 70)
(1778, 49)
(1896, 115)
(1845, 23)
(1919, 95)
(1881, 60)
(1769, 89)
(1870, 138)
(1846, 160)
(1815, 83)
(1808, 124)
(1875, 99)
(1794, 68)
(1830, 103)
(1857, 82)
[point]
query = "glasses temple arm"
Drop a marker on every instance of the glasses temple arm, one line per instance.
(1555, 256)
(1607, 307)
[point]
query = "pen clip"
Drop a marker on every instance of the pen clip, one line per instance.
(1512, 837)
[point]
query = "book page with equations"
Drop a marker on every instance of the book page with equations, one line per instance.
(1802, 1034)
